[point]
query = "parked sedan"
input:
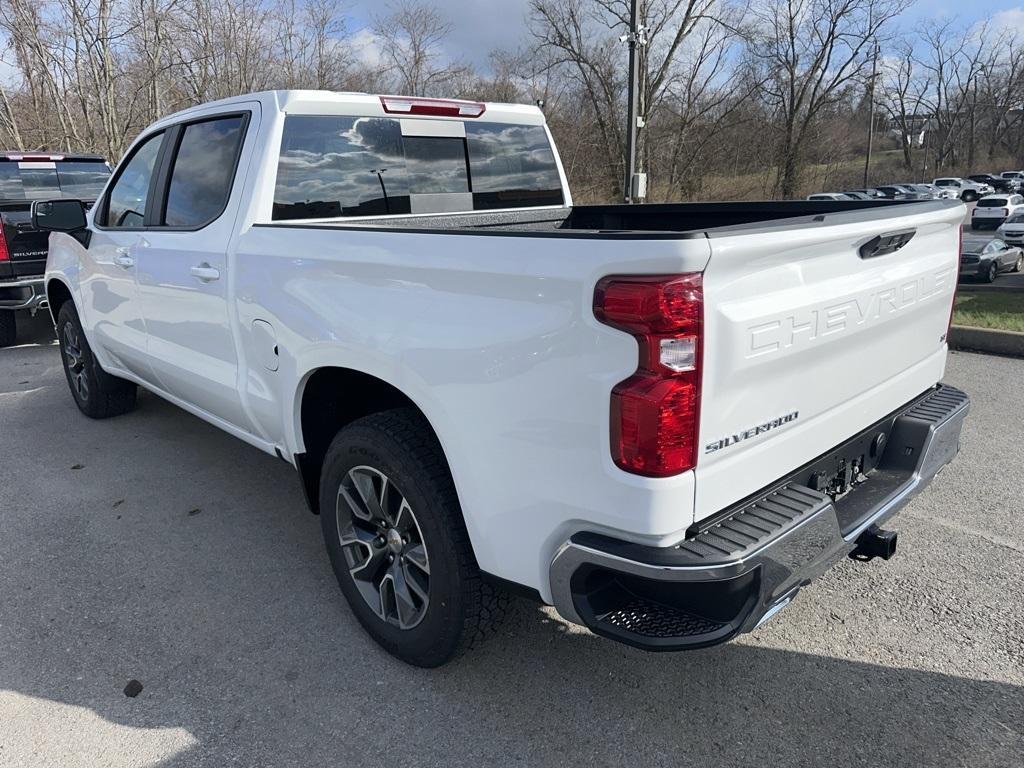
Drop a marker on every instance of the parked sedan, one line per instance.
(993, 210)
(930, 192)
(831, 196)
(984, 259)
(872, 193)
(893, 192)
(903, 192)
(858, 195)
(1011, 231)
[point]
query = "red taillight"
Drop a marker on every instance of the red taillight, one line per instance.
(5, 255)
(411, 105)
(655, 412)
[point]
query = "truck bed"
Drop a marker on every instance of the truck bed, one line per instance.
(667, 219)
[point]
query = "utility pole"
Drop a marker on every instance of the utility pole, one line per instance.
(636, 38)
(871, 114)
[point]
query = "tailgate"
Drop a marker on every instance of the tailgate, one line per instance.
(26, 247)
(808, 341)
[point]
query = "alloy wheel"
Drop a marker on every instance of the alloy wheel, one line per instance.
(383, 547)
(75, 361)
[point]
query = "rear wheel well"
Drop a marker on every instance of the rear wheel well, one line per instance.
(56, 295)
(332, 399)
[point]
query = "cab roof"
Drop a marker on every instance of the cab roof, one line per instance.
(371, 105)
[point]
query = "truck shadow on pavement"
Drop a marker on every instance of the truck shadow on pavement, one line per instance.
(154, 547)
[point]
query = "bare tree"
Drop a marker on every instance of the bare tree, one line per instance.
(902, 94)
(411, 37)
(815, 53)
(582, 38)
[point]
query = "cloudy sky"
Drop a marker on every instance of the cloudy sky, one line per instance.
(480, 26)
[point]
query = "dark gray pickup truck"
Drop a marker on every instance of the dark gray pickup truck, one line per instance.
(24, 177)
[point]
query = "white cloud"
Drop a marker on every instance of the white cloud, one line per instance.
(1011, 20)
(367, 47)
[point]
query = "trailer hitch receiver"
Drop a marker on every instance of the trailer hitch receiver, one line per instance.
(875, 542)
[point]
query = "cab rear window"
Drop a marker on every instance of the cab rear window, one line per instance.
(364, 166)
(992, 202)
(49, 179)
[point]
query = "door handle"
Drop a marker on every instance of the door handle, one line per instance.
(205, 272)
(123, 257)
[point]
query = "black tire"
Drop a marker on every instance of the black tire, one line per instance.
(459, 607)
(969, 197)
(96, 393)
(8, 328)
(1020, 263)
(990, 274)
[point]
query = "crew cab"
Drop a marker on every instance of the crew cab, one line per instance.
(25, 177)
(997, 183)
(966, 190)
(663, 420)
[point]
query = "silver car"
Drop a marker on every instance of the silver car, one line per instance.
(1011, 231)
(984, 259)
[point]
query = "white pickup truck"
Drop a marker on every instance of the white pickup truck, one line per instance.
(664, 420)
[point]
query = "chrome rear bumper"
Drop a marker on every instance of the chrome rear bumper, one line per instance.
(731, 574)
(27, 294)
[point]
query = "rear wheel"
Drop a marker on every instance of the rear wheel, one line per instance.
(1020, 263)
(8, 328)
(969, 197)
(96, 393)
(397, 541)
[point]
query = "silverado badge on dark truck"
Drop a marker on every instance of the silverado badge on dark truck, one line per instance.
(663, 420)
(24, 177)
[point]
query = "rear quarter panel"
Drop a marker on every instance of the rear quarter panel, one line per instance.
(494, 338)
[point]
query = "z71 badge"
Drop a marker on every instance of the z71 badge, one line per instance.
(746, 434)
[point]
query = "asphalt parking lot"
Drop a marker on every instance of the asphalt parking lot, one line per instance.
(154, 547)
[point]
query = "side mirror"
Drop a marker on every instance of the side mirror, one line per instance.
(58, 215)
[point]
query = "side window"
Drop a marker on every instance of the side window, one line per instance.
(203, 171)
(340, 166)
(126, 203)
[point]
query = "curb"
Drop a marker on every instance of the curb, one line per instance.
(1010, 343)
(983, 288)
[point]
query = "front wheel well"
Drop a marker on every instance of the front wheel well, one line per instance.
(331, 399)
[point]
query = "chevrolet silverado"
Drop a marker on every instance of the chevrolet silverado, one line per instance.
(663, 420)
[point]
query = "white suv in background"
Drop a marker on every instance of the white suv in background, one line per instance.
(993, 210)
(965, 189)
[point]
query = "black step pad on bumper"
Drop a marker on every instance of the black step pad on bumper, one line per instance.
(738, 567)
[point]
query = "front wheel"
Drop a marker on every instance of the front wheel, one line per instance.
(990, 275)
(398, 543)
(969, 197)
(96, 393)
(8, 328)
